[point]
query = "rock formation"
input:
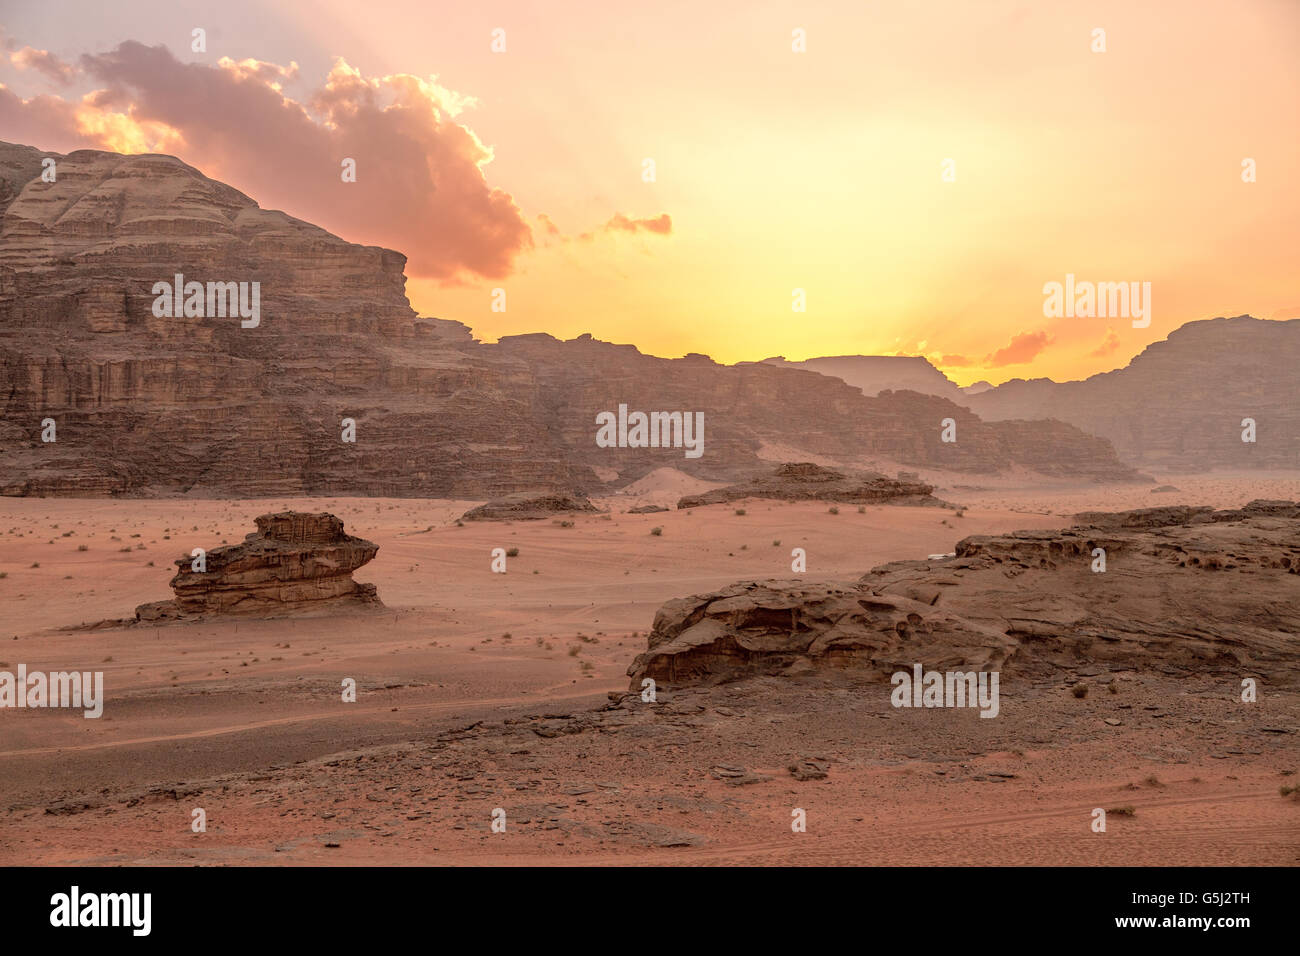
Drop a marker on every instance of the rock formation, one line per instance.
(148, 405)
(874, 374)
(526, 506)
(804, 481)
(296, 562)
(1180, 404)
(1184, 588)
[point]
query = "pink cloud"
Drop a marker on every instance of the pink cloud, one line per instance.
(660, 225)
(1108, 346)
(43, 62)
(420, 186)
(43, 121)
(953, 361)
(1022, 348)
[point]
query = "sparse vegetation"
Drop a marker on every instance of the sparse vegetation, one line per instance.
(657, 531)
(833, 510)
(512, 552)
(1079, 690)
(740, 511)
(1124, 811)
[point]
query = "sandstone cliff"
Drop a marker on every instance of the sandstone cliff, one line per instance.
(1179, 405)
(153, 405)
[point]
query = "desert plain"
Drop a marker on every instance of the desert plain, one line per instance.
(480, 692)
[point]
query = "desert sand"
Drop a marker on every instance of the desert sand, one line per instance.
(479, 691)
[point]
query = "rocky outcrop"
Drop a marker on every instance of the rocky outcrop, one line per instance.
(150, 405)
(526, 506)
(804, 481)
(1183, 589)
(1179, 405)
(295, 563)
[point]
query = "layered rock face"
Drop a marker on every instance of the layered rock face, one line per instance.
(1183, 589)
(295, 563)
(1180, 404)
(804, 481)
(145, 404)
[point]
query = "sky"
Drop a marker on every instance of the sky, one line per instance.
(919, 169)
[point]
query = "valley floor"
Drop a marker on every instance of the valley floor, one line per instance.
(479, 691)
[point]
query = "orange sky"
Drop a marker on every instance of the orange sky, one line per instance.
(779, 170)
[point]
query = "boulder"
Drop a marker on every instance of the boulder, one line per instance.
(295, 562)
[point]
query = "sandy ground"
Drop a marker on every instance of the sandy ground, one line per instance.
(480, 691)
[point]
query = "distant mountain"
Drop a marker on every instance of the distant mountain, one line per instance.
(153, 393)
(880, 373)
(1180, 404)
(976, 387)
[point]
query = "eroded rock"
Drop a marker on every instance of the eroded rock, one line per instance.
(1183, 587)
(531, 506)
(804, 481)
(296, 562)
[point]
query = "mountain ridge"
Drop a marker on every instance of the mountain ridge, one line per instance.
(144, 403)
